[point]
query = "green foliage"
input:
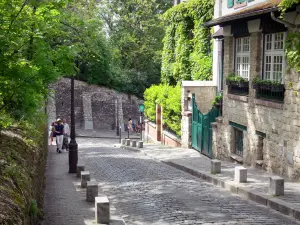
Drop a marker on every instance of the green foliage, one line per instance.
(218, 99)
(187, 52)
(233, 77)
(135, 29)
(292, 44)
(40, 41)
(258, 80)
(169, 97)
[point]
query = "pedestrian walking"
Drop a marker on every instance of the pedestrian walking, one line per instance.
(59, 130)
(52, 132)
(130, 128)
(66, 135)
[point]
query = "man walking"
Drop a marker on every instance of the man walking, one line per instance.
(59, 130)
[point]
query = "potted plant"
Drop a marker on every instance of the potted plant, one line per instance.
(217, 102)
(239, 81)
(265, 85)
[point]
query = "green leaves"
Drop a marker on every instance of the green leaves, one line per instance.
(169, 97)
(292, 44)
(187, 53)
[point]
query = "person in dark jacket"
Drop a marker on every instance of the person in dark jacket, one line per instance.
(59, 130)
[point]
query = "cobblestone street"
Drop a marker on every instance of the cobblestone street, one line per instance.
(145, 191)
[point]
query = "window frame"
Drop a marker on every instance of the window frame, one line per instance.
(241, 55)
(272, 53)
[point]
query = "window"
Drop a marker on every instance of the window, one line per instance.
(243, 57)
(274, 57)
(239, 139)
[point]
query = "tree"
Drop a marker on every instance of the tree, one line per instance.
(40, 41)
(136, 30)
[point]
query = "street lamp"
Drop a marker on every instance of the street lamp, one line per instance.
(141, 109)
(73, 147)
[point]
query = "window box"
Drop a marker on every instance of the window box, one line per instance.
(238, 87)
(266, 89)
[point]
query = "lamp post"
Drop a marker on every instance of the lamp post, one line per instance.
(73, 147)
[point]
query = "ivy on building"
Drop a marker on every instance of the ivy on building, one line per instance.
(292, 46)
(187, 53)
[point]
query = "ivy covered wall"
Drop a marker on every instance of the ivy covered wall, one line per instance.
(187, 53)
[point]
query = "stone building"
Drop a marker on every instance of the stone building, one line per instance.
(96, 107)
(260, 126)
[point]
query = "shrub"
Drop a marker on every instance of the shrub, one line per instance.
(169, 98)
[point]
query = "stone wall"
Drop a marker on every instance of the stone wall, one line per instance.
(170, 140)
(271, 139)
(205, 92)
(96, 107)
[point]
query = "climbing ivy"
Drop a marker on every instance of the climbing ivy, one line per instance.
(292, 46)
(187, 53)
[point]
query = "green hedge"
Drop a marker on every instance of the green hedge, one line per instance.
(169, 98)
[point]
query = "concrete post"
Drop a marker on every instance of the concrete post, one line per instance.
(123, 141)
(140, 144)
(91, 191)
(215, 166)
(133, 143)
(102, 210)
(80, 168)
(127, 142)
(276, 186)
(240, 174)
(85, 177)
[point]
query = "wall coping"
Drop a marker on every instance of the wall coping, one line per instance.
(172, 136)
(187, 113)
(267, 103)
(189, 83)
(241, 98)
(152, 124)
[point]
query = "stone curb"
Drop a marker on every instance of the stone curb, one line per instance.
(279, 205)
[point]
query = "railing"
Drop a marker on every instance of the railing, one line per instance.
(270, 92)
(238, 88)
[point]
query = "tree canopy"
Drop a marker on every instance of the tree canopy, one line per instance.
(40, 41)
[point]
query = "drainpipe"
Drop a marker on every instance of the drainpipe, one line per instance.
(285, 23)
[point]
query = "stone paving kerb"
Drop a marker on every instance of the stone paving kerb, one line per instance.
(256, 188)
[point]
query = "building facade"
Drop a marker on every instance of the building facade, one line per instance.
(260, 125)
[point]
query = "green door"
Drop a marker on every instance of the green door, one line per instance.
(202, 130)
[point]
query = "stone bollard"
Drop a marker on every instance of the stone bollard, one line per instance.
(240, 174)
(140, 144)
(127, 142)
(80, 168)
(123, 141)
(85, 177)
(133, 143)
(215, 166)
(276, 186)
(91, 191)
(102, 210)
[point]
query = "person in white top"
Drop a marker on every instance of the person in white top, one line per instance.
(66, 135)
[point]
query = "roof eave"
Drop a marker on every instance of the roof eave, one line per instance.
(229, 18)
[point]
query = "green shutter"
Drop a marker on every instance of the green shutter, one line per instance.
(230, 3)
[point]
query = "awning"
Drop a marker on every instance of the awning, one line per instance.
(251, 11)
